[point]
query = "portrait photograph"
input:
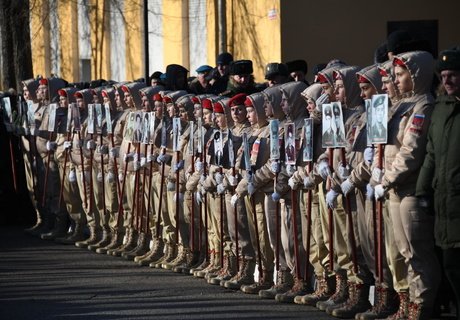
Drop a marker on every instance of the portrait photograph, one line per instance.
(176, 134)
(91, 119)
(108, 118)
(379, 126)
(75, 117)
(99, 116)
(274, 139)
(368, 106)
(129, 129)
(52, 117)
(289, 143)
(146, 128)
(308, 140)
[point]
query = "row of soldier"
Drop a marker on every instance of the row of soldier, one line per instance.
(215, 186)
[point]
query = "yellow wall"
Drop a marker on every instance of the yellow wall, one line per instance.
(133, 10)
(39, 28)
(212, 29)
(68, 33)
(175, 32)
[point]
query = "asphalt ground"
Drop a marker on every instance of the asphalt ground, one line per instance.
(43, 280)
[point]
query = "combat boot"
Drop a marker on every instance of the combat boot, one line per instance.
(218, 266)
(117, 241)
(105, 241)
(191, 260)
(418, 311)
(41, 226)
(154, 254)
(59, 230)
(340, 295)
(284, 283)
(324, 289)
(244, 276)
(265, 282)
(214, 265)
(169, 255)
(385, 304)
(179, 259)
(76, 235)
(357, 302)
(299, 288)
(204, 263)
(403, 310)
(142, 247)
(94, 237)
(227, 272)
(129, 245)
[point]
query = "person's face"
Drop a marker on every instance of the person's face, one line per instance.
(81, 103)
(158, 109)
(145, 104)
(337, 118)
(367, 90)
(118, 100)
(327, 88)
(389, 87)
(251, 114)
(154, 82)
(451, 81)
(268, 108)
(238, 114)
(311, 105)
(223, 69)
(129, 100)
(242, 79)
(339, 91)
(63, 102)
(96, 98)
(183, 114)
(207, 117)
(202, 79)
(197, 111)
(298, 75)
(43, 92)
(379, 113)
(221, 120)
(25, 93)
(285, 104)
(403, 80)
(171, 110)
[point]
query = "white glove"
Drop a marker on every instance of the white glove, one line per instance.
(110, 177)
(290, 169)
(377, 174)
(171, 186)
(292, 183)
(276, 196)
(179, 198)
(343, 172)
(99, 176)
(198, 197)
(275, 167)
(323, 169)
(199, 166)
(128, 157)
(113, 152)
(72, 176)
(234, 199)
(368, 155)
(51, 146)
(219, 177)
(103, 149)
(179, 166)
(324, 98)
(149, 158)
(143, 161)
(161, 158)
(347, 186)
(369, 192)
(380, 192)
(331, 199)
(220, 188)
(67, 145)
(308, 183)
(232, 180)
(120, 177)
(251, 189)
(136, 165)
(90, 145)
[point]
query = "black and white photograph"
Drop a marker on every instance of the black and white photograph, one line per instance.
(379, 118)
(99, 116)
(176, 133)
(274, 139)
(191, 141)
(308, 140)
(218, 148)
(289, 143)
(108, 118)
(69, 119)
(146, 128)
(31, 116)
(8, 111)
(152, 127)
(52, 117)
(339, 126)
(91, 119)
(137, 127)
(368, 107)
(129, 130)
(75, 116)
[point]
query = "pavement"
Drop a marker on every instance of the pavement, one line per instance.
(43, 280)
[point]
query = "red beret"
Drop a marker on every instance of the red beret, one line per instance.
(167, 99)
(362, 79)
(125, 89)
(248, 103)
(195, 100)
(78, 95)
(43, 82)
(218, 108)
(322, 78)
(399, 62)
(207, 104)
(383, 72)
(237, 100)
(337, 75)
(104, 94)
(157, 97)
(62, 93)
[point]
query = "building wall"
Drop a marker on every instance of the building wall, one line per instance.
(321, 30)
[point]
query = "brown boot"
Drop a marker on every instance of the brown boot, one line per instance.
(340, 295)
(179, 259)
(357, 302)
(244, 276)
(61, 226)
(154, 254)
(170, 254)
(324, 289)
(205, 261)
(142, 247)
(299, 288)
(105, 241)
(130, 244)
(227, 272)
(265, 282)
(284, 282)
(76, 235)
(213, 266)
(117, 241)
(385, 304)
(94, 237)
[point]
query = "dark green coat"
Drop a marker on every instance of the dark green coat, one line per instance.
(440, 173)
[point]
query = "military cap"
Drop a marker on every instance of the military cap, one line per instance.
(204, 69)
(224, 58)
(275, 69)
(449, 60)
(237, 100)
(297, 65)
(241, 67)
(379, 102)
